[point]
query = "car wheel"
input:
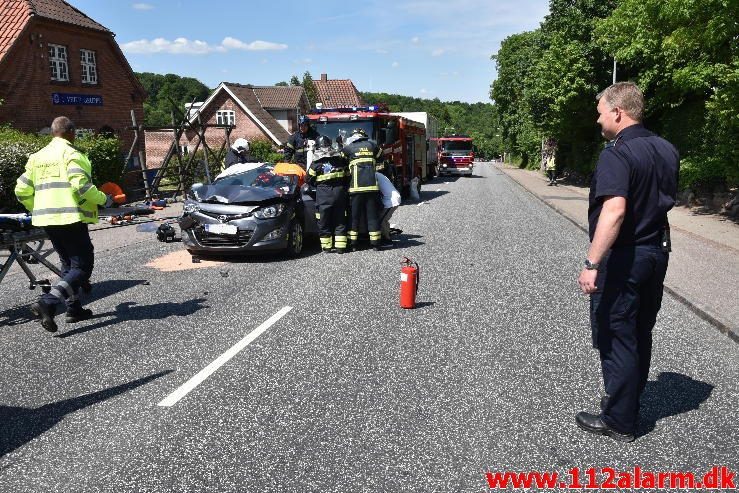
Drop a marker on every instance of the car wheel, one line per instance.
(295, 239)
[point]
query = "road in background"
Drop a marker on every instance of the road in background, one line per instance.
(347, 391)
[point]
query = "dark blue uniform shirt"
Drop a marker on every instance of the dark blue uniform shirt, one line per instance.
(643, 168)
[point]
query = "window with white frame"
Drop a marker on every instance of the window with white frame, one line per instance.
(58, 62)
(225, 117)
(89, 68)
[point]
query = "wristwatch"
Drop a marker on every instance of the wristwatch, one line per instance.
(590, 265)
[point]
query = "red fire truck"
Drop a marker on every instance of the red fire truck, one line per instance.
(403, 141)
(456, 156)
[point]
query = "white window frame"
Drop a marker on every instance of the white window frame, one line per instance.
(225, 117)
(58, 63)
(89, 67)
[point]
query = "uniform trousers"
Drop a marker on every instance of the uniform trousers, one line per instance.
(365, 205)
(72, 244)
(331, 206)
(623, 313)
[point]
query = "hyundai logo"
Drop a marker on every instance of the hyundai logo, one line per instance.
(223, 219)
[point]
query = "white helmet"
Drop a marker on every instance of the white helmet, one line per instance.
(241, 145)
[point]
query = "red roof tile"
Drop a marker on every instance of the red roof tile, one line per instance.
(281, 97)
(14, 15)
(337, 93)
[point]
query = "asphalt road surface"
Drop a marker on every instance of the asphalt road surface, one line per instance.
(346, 391)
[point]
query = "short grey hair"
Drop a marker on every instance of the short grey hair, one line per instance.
(624, 95)
(62, 125)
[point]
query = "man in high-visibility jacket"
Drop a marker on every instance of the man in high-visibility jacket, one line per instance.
(364, 192)
(57, 188)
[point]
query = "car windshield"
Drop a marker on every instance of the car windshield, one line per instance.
(261, 177)
(457, 145)
(332, 129)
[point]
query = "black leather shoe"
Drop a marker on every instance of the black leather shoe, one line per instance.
(593, 424)
(46, 315)
(78, 315)
(340, 251)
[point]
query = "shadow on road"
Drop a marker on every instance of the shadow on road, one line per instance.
(20, 425)
(128, 311)
(21, 314)
(671, 394)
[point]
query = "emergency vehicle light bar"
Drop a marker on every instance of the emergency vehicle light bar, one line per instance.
(348, 109)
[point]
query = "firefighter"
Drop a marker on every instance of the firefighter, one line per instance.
(329, 174)
(296, 149)
(238, 153)
(57, 189)
(364, 192)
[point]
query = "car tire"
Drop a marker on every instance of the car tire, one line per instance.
(295, 239)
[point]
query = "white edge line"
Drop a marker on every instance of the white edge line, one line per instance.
(186, 387)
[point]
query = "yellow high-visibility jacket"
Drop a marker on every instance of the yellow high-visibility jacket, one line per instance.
(550, 164)
(57, 188)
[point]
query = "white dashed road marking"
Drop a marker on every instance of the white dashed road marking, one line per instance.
(185, 388)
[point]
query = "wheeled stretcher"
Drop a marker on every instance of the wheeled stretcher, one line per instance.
(23, 244)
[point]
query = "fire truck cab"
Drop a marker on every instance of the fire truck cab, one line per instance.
(456, 156)
(403, 141)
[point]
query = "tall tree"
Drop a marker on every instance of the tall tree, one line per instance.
(162, 89)
(310, 89)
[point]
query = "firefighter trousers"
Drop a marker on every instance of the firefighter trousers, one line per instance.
(331, 213)
(365, 212)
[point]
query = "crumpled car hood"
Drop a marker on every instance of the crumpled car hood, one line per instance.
(235, 194)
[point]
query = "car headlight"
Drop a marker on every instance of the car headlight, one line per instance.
(269, 212)
(443, 165)
(191, 207)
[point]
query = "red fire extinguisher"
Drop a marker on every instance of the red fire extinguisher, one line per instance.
(409, 276)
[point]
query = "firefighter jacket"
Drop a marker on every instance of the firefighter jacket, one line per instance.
(329, 169)
(233, 157)
(550, 164)
(362, 156)
(296, 149)
(57, 188)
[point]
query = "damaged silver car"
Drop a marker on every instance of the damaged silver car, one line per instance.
(247, 208)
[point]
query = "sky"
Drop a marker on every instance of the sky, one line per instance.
(420, 48)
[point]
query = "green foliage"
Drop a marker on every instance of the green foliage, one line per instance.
(282, 84)
(683, 54)
(478, 120)
(106, 158)
(294, 81)
(263, 150)
(163, 88)
(16, 147)
(310, 89)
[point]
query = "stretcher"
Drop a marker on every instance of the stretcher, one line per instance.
(23, 244)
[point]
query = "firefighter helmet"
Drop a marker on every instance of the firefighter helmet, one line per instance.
(359, 133)
(303, 120)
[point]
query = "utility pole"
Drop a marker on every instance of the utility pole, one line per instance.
(614, 70)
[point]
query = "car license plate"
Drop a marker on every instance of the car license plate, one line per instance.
(221, 229)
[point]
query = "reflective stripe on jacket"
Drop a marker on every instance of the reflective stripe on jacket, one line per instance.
(361, 155)
(57, 188)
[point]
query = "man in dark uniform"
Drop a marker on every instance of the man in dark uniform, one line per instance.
(329, 173)
(238, 153)
(634, 185)
(364, 192)
(296, 149)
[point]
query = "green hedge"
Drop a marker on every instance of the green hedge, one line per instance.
(15, 147)
(262, 150)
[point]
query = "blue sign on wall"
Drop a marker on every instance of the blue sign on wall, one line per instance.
(76, 99)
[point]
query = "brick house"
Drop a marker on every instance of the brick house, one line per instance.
(256, 112)
(55, 60)
(336, 93)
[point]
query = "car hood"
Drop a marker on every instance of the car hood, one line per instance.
(236, 194)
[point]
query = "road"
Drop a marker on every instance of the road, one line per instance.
(347, 391)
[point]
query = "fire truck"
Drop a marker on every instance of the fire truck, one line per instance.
(456, 156)
(403, 141)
